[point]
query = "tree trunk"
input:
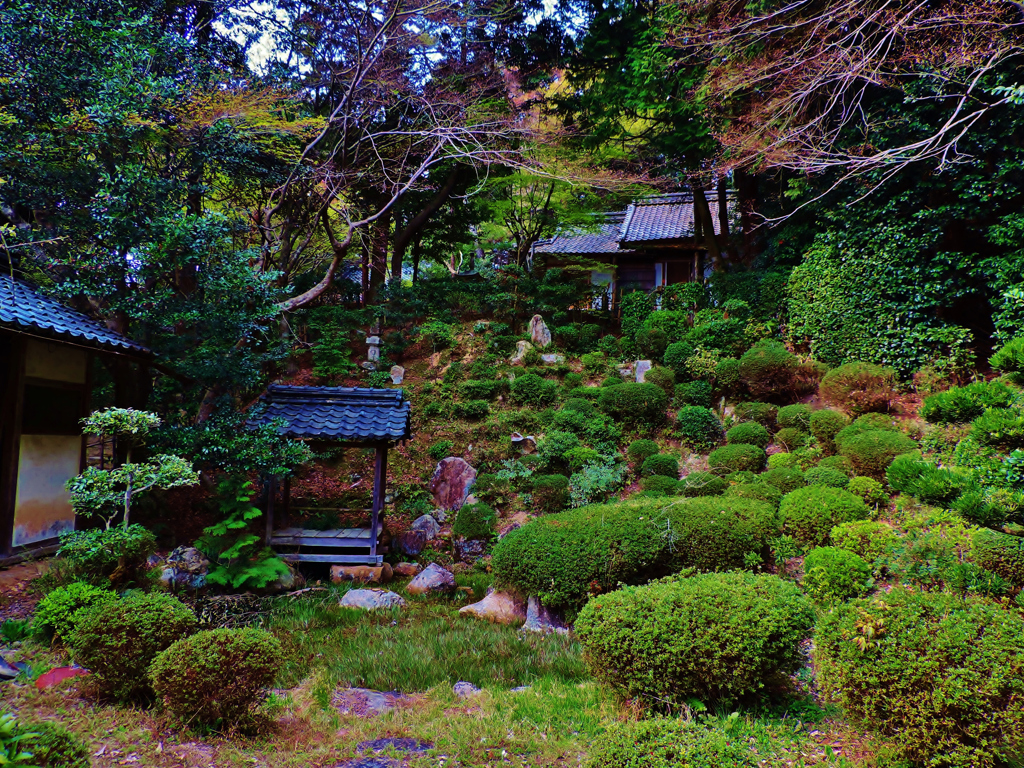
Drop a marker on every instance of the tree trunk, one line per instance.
(378, 257)
(746, 193)
(417, 254)
(420, 220)
(702, 210)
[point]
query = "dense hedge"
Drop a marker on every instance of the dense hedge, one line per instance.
(1000, 553)
(748, 433)
(734, 458)
(634, 403)
(659, 485)
(809, 514)
(713, 637)
(712, 533)
(935, 675)
(912, 475)
(58, 613)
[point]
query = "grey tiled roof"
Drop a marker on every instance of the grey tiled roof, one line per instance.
(24, 309)
(605, 241)
(666, 217)
(341, 414)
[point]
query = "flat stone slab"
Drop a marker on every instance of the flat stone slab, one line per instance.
(464, 690)
(371, 599)
(412, 746)
(363, 702)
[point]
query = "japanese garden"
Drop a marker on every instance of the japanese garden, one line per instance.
(608, 384)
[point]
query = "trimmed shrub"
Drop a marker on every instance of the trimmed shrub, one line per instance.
(763, 413)
(790, 438)
(611, 381)
(963, 404)
(912, 475)
(594, 363)
(825, 425)
(118, 641)
(725, 336)
(735, 458)
(859, 387)
(872, 452)
(1000, 553)
(661, 377)
(866, 538)
(929, 673)
(661, 464)
(584, 393)
(54, 746)
(693, 393)
(116, 558)
(741, 631)
(784, 478)
(797, 416)
(742, 476)
(667, 743)
(748, 433)
(1001, 428)
(532, 390)
(475, 521)
(768, 369)
(727, 375)
(833, 575)
(482, 389)
(1009, 359)
(699, 427)
(59, 612)
(838, 463)
(580, 457)
(717, 533)
(757, 491)
(550, 492)
(217, 677)
(702, 484)
(570, 420)
(809, 514)
(472, 409)
(660, 484)
(553, 446)
(580, 405)
(872, 491)
(676, 355)
(572, 380)
(635, 403)
(639, 450)
(824, 476)
(778, 460)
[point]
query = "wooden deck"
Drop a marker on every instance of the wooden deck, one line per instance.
(334, 538)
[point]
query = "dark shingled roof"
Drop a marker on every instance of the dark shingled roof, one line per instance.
(340, 414)
(24, 309)
(666, 217)
(606, 241)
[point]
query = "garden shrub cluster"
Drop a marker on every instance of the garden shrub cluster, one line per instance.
(734, 458)
(665, 742)
(832, 575)
(60, 611)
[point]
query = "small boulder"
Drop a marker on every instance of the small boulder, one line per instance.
(497, 607)
(290, 581)
(397, 374)
(407, 570)
(371, 599)
(432, 580)
(539, 333)
(368, 365)
(642, 367)
(364, 574)
(469, 550)
(522, 347)
(626, 371)
(451, 482)
(186, 568)
(464, 690)
(541, 619)
(8, 671)
(411, 542)
(426, 525)
(551, 357)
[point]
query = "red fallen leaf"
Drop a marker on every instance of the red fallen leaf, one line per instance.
(58, 675)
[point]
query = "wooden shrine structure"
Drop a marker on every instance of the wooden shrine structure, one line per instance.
(349, 417)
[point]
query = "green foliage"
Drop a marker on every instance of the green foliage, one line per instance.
(660, 464)
(833, 575)
(117, 641)
(639, 450)
(105, 493)
(594, 363)
(1009, 359)
(474, 410)
(699, 427)
(768, 369)
(825, 425)
(693, 393)
(550, 492)
(764, 414)
(1000, 427)
(15, 743)
(1000, 553)
(440, 449)
(796, 416)
(749, 433)
(635, 403)
(15, 630)
(930, 674)
(116, 557)
(659, 485)
(859, 387)
(869, 489)
(727, 375)
(962, 404)
(482, 389)
(59, 612)
(554, 445)
(475, 521)
(127, 422)
(734, 458)
(779, 460)
(713, 533)
(439, 334)
(724, 336)
(532, 391)
(790, 438)
(824, 476)
(872, 452)
(912, 475)
(741, 631)
(809, 514)
(234, 544)
(661, 377)
(667, 743)
(635, 307)
(611, 381)
(577, 337)
(703, 484)
(838, 463)
(757, 491)
(52, 745)
(595, 482)
(867, 539)
(784, 478)
(676, 355)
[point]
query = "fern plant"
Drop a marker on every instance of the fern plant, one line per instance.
(238, 557)
(12, 743)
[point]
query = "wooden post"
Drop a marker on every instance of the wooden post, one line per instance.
(13, 390)
(271, 493)
(380, 470)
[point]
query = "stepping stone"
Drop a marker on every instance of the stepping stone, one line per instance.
(464, 690)
(413, 746)
(363, 702)
(371, 599)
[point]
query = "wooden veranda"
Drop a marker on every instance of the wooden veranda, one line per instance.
(349, 417)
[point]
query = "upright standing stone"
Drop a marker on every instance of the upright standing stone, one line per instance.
(397, 374)
(642, 367)
(539, 333)
(522, 347)
(451, 482)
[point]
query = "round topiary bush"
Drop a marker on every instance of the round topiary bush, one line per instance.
(714, 637)
(748, 433)
(825, 425)
(550, 492)
(784, 478)
(769, 369)
(868, 539)
(58, 613)
(53, 745)
(838, 463)
(809, 514)
(763, 413)
(859, 387)
(790, 438)
(660, 484)
(824, 476)
(777, 460)
(639, 450)
(872, 452)
(667, 743)
(699, 427)
(796, 416)
(661, 464)
(532, 390)
(757, 491)
(833, 575)
(661, 377)
(676, 355)
(117, 641)
(869, 489)
(693, 393)
(1000, 553)
(930, 673)
(475, 521)
(734, 458)
(703, 484)
(634, 403)
(217, 677)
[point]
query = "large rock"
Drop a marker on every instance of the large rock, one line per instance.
(541, 619)
(539, 333)
(451, 482)
(364, 574)
(642, 367)
(411, 542)
(186, 568)
(469, 550)
(522, 347)
(426, 525)
(432, 580)
(371, 599)
(498, 607)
